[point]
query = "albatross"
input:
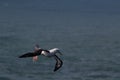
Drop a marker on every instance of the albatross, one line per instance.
(48, 53)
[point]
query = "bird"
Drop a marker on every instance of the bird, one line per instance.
(52, 53)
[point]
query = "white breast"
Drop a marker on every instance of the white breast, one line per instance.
(52, 52)
(44, 53)
(47, 54)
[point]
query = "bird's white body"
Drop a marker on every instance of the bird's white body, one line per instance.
(51, 53)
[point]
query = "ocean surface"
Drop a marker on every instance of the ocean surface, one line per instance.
(88, 40)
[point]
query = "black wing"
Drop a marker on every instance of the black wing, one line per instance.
(58, 64)
(31, 54)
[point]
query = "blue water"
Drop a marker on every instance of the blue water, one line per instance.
(89, 41)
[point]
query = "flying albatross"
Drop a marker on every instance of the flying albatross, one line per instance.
(48, 53)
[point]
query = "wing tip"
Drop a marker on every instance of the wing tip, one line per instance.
(57, 68)
(20, 56)
(54, 70)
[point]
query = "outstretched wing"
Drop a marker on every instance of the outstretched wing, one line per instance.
(58, 64)
(31, 54)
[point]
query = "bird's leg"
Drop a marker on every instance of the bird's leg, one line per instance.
(35, 58)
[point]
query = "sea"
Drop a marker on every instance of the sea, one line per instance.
(88, 40)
